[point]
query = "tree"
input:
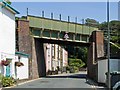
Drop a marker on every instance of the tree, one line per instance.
(103, 26)
(114, 38)
(77, 53)
(8, 1)
(91, 22)
(114, 30)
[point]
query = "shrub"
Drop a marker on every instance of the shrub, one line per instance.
(67, 68)
(72, 70)
(7, 81)
(76, 62)
(1, 76)
(76, 69)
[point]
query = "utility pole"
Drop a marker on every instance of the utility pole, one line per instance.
(83, 25)
(75, 24)
(27, 11)
(108, 48)
(60, 17)
(68, 23)
(51, 15)
(42, 13)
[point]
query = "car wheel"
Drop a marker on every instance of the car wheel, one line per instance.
(118, 88)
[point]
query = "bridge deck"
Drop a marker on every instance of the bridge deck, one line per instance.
(56, 29)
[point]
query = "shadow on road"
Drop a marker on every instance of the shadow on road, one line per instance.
(78, 76)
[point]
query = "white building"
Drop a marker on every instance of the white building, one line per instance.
(7, 36)
(21, 72)
(56, 56)
(7, 28)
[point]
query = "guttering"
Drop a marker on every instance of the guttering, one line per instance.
(22, 54)
(6, 5)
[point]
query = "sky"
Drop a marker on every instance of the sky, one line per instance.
(81, 10)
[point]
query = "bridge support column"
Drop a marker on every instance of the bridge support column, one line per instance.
(24, 41)
(27, 44)
(96, 50)
(38, 59)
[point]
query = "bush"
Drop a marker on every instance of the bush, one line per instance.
(72, 70)
(76, 69)
(7, 81)
(76, 62)
(68, 68)
(1, 76)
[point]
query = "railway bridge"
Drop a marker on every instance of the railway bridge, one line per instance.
(34, 31)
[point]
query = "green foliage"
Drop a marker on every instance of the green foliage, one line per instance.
(82, 54)
(114, 39)
(74, 65)
(115, 35)
(114, 29)
(78, 53)
(1, 76)
(76, 69)
(73, 69)
(8, 1)
(76, 62)
(91, 22)
(103, 26)
(114, 25)
(7, 81)
(68, 68)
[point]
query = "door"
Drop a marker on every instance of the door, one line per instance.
(8, 71)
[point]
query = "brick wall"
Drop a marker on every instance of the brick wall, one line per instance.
(29, 45)
(95, 51)
(24, 40)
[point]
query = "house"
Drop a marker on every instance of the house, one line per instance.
(21, 71)
(56, 57)
(7, 39)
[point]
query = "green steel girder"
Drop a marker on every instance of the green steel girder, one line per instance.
(51, 24)
(58, 35)
(55, 29)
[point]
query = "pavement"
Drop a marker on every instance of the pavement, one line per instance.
(69, 80)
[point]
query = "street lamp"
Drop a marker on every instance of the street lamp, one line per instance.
(108, 46)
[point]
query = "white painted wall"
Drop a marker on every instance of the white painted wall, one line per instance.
(102, 68)
(65, 57)
(7, 31)
(7, 44)
(23, 71)
(48, 57)
(7, 37)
